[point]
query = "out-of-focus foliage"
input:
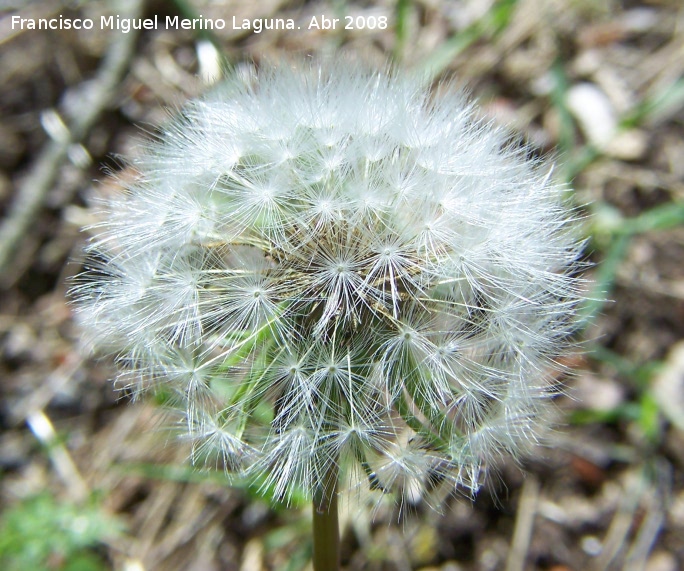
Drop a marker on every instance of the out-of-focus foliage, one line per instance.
(41, 533)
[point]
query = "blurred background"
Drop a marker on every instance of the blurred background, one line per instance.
(92, 482)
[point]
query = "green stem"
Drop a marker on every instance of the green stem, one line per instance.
(326, 533)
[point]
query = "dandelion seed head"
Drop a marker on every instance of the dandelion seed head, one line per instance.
(329, 266)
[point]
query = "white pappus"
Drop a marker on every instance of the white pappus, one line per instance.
(330, 267)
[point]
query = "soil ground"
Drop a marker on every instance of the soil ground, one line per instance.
(600, 83)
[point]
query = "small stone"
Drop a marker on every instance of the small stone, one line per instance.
(676, 510)
(594, 113)
(661, 561)
(591, 545)
(640, 20)
(597, 393)
(629, 145)
(253, 555)
(668, 386)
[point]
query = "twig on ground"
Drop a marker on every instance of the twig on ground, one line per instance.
(524, 523)
(39, 399)
(654, 519)
(44, 431)
(623, 520)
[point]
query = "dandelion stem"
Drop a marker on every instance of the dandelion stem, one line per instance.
(326, 533)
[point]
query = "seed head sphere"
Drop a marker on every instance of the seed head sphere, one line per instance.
(328, 267)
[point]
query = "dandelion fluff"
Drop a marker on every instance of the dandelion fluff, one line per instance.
(336, 269)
